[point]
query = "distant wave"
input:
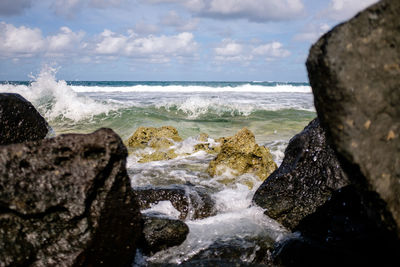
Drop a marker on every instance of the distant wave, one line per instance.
(287, 88)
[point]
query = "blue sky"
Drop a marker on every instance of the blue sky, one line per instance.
(189, 40)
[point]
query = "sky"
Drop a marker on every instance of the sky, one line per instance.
(165, 40)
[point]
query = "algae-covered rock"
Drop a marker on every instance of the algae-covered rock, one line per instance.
(203, 137)
(154, 137)
(160, 139)
(158, 155)
(240, 154)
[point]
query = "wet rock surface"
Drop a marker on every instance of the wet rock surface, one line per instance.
(307, 177)
(354, 72)
(346, 231)
(154, 137)
(252, 251)
(241, 154)
(67, 201)
(161, 232)
(209, 263)
(19, 120)
(192, 202)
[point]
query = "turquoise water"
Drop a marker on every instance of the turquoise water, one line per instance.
(272, 110)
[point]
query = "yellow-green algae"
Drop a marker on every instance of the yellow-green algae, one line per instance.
(151, 136)
(241, 154)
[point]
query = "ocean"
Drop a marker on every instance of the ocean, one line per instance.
(273, 111)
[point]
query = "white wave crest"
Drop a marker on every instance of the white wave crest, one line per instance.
(56, 99)
(196, 106)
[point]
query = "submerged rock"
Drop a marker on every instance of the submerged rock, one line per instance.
(67, 201)
(154, 137)
(241, 154)
(161, 232)
(248, 250)
(354, 71)
(307, 177)
(192, 202)
(19, 120)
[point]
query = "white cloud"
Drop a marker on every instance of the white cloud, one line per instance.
(230, 50)
(20, 41)
(14, 7)
(146, 28)
(106, 3)
(66, 40)
(154, 48)
(172, 19)
(252, 10)
(344, 9)
(273, 50)
(70, 8)
(312, 32)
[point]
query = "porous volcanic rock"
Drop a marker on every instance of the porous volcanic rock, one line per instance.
(67, 201)
(307, 177)
(345, 231)
(161, 232)
(19, 120)
(154, 137)
(192, 202)
(354, 71)
(241, 154)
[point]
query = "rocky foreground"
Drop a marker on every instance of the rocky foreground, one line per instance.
(67, 201)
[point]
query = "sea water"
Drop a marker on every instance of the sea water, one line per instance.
(273, 111)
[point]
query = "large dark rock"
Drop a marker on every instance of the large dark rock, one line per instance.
(161, 232)
(67, 201)
(354, 71)
(346, 231)
(308, 175)
(192, 202)
(19, 120)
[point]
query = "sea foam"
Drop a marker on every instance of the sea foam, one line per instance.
(55, 99)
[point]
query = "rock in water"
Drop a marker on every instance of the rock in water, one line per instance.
(161, 232)
(308, 175)
(241, 154)
(193, 202)
(67, 201)
(345, 231)
(154, 137)
(19, 120)
(354, 71)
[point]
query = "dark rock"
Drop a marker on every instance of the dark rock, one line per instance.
(209, 263)
(67, 201)
(345, 231)
(308, 175)
(354, 71)
(19, 120)
(192, 202)
(161, 232)
(249, 250)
